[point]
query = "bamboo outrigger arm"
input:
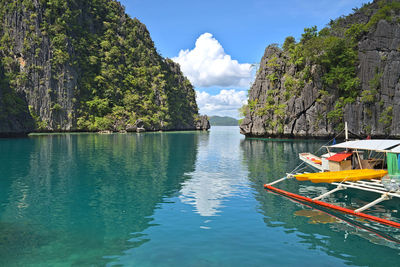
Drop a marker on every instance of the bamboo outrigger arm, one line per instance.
(373, 203)
(333, 207)
(288, 176)
(338, 188)
(365, 179)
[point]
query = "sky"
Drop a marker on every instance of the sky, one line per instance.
(218, 42)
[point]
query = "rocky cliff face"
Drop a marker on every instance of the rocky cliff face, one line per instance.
(348, 71)
(14, 114)
(87, 66)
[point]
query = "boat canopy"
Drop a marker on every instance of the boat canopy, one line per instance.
(375, 144)
(395, 150)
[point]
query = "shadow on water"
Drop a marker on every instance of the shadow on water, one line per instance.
(341, 236)
(91, 191)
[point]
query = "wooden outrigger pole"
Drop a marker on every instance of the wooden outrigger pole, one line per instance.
(341, 217)
(363, 178)
(338, 208)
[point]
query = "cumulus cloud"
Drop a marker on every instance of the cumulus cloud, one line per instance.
(208, 65)
(226, 103)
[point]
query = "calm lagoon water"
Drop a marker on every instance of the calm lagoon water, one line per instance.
(173, 199)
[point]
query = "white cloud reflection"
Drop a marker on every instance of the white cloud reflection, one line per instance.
(219, 175)
(206, 191)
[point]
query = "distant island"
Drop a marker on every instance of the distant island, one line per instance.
(223, 121)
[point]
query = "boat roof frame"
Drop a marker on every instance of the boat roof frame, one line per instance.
(377, 145)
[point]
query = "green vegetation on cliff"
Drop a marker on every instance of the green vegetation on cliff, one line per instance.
(96, 67)
(311, 86)
(336, 57)
(12, 107)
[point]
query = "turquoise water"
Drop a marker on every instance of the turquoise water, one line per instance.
(173, 199)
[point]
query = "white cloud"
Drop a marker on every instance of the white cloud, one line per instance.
(208, 65)
(226, 103)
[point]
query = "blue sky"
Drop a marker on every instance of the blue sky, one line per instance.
(216, 41)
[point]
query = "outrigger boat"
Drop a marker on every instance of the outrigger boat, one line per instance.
(367, 165)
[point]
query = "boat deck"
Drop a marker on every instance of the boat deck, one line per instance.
(312, 160)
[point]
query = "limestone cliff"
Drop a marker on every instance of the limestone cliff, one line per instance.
(14, 115)
(348, 71)
(86, 66)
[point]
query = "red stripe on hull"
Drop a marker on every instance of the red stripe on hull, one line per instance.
(334, 207)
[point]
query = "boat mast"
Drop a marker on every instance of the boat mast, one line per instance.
(346, 131)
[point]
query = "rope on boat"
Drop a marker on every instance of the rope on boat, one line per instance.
(344, 184)
(315, 152)
(299, 167)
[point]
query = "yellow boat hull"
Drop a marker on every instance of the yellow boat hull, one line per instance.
(340, 176)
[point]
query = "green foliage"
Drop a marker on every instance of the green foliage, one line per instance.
(339, 60)
(12, 106)
(104, 123)
(56, 107)
(386, 10)
(272, 77)
(122, 78)
(336, 57)
(289, 43)
(336, 115)
(309, 33)
(243, 111)
(375, 82)
(355, 32)
(369, 96)
(98, 107)
(279, 110)
(39, 124)
(252, 104)
(289, 83)
(306, 74)
(273, 62)
(296, 55)
(367, 129)
(386, 116)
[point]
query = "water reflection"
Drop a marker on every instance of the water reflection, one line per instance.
(93, 191)
(340, 236)
(174, 199)
(216, 176)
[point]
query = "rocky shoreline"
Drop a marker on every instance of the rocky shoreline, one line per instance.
(201, 125)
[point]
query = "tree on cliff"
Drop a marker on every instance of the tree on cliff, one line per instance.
(86, 65)
(345, 72)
